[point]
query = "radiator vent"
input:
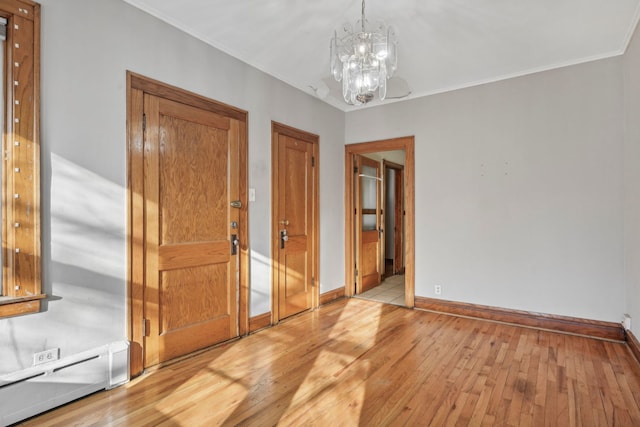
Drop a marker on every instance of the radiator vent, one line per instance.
(34, 390)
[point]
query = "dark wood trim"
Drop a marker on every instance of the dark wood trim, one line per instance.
(572, 325)
(260, 321)
(331, 296)
(634, 344)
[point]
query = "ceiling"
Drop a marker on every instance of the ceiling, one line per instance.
(443, 45)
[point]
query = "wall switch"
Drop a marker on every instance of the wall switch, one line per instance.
(438, 289)
(252, 194)
(46, 356)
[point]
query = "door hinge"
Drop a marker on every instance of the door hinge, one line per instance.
(313, 281)
(355, 169)
(144, 122)
(146, 326)
(313, 161)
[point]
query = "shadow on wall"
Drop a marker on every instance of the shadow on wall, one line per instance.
(84, 269)
(87, 247)
(84, 276)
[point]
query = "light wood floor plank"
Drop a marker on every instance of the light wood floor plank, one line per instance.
(358, 362)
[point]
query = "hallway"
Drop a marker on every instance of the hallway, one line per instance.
(390, 291)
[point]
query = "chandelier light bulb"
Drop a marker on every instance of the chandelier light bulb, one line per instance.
(363, 59)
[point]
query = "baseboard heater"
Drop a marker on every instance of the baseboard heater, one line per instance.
(34, 390)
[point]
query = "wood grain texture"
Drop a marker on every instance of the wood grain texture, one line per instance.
(190, 178)
(294, 199)
(231, 118)
(573, 325)
(163, 90)
(260, 321)
(357, 362)
(634, 344)
(21, 214)
(193, 254)
(243, 231)
(135, 226)
(331, 296)
(23, 8)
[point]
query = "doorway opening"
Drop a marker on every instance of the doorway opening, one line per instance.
(379, 218)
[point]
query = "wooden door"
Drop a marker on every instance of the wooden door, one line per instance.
(294, 228)
(395, 223)
(369, 228)
(191, 178)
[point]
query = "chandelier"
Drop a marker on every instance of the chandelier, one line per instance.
(363, 58)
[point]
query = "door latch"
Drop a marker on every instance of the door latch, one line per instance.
(283, 238)
(234, 244)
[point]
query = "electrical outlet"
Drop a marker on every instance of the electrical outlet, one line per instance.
(438, 289)
(46, 356)
(626, 322)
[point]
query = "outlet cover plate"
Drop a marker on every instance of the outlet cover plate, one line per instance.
(46, 356)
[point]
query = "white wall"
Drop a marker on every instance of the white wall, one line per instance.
(87, 46)
(632, 181)
(518, 189)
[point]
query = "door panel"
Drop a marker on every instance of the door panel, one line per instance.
(398, 229)
(294, 201)
(191, 177)
(370, 225)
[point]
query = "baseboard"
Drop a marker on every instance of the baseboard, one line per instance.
(634, 344)
(572, 325)
(259, 322)
(330, 296)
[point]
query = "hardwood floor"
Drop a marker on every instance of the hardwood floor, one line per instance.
(358, 362)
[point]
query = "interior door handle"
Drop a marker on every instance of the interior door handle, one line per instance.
(283, 238)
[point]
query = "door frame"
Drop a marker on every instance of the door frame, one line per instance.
(137, 87)
(407, 144)
(398, 220)
(282, 129)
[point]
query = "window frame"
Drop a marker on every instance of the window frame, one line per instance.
(21, 245)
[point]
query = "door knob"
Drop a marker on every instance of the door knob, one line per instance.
(284, 222)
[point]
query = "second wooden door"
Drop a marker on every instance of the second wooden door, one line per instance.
(295, 227)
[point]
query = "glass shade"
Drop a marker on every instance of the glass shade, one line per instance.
(363, 60)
